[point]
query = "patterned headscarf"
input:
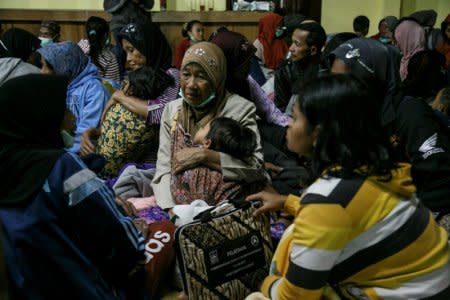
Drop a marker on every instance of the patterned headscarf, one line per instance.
(66, 58)
(410, 37)
(212, 60)
(148, 39)
(18, 43)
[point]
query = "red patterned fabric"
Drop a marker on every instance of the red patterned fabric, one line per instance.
(201, 182)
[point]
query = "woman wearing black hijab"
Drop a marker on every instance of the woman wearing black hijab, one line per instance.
(16, 49)
(64, 237)
(19, 43)
(123, 12)
(145, 45)
(414, 130)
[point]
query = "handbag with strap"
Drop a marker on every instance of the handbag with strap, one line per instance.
(225, 253)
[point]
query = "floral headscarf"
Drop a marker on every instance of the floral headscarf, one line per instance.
(212, 60)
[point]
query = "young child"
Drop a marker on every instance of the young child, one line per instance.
(124, 136)
(228, 136)
(193, 33)
(221, 134)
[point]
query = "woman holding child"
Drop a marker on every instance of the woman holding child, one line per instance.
(131, 120)
(204, 98)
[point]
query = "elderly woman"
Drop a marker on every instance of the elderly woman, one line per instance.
(203, 97)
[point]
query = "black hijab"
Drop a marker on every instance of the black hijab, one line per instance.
(31, 112)
(373, 63)
(146, 37)
(19, 43)
(425, 18)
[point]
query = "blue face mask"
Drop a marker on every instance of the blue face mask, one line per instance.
(194, 40)
(385, 40)
(280, 32)
(45, 41)
(201, 105)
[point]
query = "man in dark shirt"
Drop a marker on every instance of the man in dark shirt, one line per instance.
(303, 62)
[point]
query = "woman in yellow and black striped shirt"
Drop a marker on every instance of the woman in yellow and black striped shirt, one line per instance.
(359, 227)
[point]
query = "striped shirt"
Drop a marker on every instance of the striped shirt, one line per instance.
(109, 67)
(156, 106)
(367, 238)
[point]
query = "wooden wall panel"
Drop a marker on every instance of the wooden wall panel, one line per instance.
(32, 27)
(172, 31)
(72, 22)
